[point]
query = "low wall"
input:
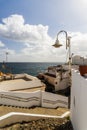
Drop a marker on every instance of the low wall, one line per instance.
(51, 100)
(16, 76)
(29, 99)
(20, 84)
(23, 99)
(15, 117)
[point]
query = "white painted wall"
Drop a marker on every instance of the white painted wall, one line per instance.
(51, 100)
(79, 60)
(29, 99)
(79, 101)
(23, 99)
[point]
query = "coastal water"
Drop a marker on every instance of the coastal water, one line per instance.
(29, 68)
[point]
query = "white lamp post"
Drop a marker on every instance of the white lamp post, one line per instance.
(68, 46)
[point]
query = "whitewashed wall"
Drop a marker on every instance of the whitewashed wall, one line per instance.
(29, 99)
(25, 99)
(51, 100)
(79, 101)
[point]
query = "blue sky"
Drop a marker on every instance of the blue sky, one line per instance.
(28, 28)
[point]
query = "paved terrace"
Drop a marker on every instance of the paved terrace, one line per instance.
(22, 83)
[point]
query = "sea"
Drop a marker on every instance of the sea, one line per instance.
(31, 68)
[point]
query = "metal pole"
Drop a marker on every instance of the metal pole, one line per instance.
(69, 46)
(6, 56)
(66, 36)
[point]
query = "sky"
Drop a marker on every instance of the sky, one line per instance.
(28, 29)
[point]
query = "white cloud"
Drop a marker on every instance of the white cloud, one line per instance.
(46, 52)
(10, 51)
(2, 44)
(79, 43)
(14, 27)
(38, 44)
(11, 54)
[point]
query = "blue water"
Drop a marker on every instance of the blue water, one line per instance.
(29, 68)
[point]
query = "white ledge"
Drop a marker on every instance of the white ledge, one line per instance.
(14, 117)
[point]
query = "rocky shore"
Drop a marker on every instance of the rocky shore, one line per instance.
(43, 124)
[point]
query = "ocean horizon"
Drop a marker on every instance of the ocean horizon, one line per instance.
(31, 68)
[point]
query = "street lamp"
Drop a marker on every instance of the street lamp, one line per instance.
(57, 45)
(68, 46)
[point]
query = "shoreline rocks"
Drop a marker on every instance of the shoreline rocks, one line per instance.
(43, 124)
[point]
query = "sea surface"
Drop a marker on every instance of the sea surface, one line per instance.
(29, 68)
